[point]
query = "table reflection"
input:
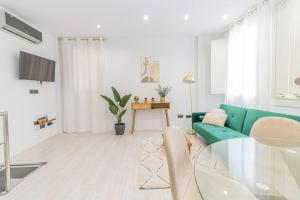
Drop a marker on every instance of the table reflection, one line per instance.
(249, 168)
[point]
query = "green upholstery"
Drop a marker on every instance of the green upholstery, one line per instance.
(196, 117)
(215, 133)
(238, 124)
(253, 115)
(235, 116)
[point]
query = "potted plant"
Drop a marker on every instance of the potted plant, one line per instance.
(162, 92)
(117, 108)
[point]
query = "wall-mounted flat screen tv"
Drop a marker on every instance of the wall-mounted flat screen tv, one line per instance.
(32, 67)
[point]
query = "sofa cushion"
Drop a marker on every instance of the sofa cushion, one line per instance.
(253, 115)
(235, 116)
(217, 119)
(214, 133)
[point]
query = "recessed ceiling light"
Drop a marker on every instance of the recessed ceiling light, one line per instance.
(225, 17)
(98, 26)
(187, 17)
(146, 17)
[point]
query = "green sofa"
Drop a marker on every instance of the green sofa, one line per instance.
(238, 124)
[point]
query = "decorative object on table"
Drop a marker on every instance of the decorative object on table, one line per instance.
(42, 122)
(190, 79)
(162, 92)
(150, 69)
(153, 168)
(152, 99)
(136, 99)
(117, 108)
(147, 106)
(146, 100)
(297, 81)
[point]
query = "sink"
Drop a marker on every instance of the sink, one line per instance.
(18, 173)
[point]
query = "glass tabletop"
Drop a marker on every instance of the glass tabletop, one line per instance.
(248, 168)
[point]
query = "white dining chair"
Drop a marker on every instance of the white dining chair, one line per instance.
(276, 127)
(181, 172)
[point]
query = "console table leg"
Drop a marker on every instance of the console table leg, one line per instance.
(133, 121)
(167, 117)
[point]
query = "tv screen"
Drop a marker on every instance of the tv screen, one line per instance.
(33, 67)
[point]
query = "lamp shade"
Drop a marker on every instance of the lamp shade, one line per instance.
(189, 79)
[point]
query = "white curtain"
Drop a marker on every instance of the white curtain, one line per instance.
(265, 14)
(249, 59)
(83, 82)
(242, 51)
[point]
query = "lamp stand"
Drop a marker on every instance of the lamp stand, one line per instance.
(191, 131)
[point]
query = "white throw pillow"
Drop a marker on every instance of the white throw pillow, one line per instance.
(216, 118)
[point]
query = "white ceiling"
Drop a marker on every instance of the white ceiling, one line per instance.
(125, 17)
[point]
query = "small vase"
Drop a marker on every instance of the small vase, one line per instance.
(162, 99)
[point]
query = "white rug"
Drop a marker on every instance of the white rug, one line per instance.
(153, 168)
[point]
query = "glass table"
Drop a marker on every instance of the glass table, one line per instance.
(242, 169)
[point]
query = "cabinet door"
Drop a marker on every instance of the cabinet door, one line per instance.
(295, 70)
(283, 49)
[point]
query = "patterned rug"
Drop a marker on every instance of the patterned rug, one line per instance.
(153, 168)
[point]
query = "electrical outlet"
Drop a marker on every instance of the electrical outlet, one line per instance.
(33, 91)
(180, 116)
(188, 116)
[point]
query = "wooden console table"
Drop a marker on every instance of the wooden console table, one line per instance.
(150, 106)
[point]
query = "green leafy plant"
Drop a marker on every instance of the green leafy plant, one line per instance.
(117, 106)
(163, 91)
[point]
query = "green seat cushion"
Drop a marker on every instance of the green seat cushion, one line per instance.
(213, 133)
(235, 116)
(253, 115)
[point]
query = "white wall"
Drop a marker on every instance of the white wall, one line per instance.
(22, 107)
(177, 58)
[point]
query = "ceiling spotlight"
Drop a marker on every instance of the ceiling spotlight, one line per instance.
(146, 17)
(225, 17)
(98, 26)
(187, 17)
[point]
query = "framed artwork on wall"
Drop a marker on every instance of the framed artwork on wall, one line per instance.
(150, 69)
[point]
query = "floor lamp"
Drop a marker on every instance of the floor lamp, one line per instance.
(190, 79)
